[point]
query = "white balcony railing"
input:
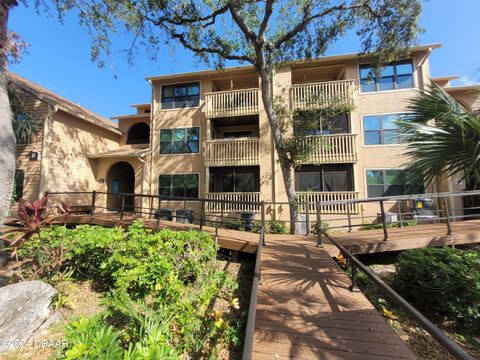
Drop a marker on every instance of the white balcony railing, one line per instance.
(322, 94)
(236, 202)
(231, 152)
(313, 197)
(231, 103)
(331, 149)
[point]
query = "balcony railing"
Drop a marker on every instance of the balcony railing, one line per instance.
(313, 197)
(331, 149)
(231, 103)
(234, 204)
(322, 94)
(238, 152)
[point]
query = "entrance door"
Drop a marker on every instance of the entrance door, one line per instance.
(121, 180)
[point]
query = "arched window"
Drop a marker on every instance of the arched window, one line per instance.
(139, 134)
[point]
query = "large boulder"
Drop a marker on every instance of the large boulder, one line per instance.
(24, 307)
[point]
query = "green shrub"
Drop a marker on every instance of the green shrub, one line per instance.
(373, 226)
(276, 227)
(162, 288)
(442, 281)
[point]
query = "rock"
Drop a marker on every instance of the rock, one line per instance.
(24, 307)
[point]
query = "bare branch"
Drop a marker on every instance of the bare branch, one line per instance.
(266, 18)
(242, 24)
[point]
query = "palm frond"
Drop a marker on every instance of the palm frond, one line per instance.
(448, 146)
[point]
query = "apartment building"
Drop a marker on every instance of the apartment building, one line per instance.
(205, 134)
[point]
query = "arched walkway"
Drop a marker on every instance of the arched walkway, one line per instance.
(120, 179)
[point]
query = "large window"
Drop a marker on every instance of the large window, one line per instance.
(180, 96)
(391, 182)
(398, 75)
(179, 141)
(19, 181)
(323, 179)
(185, 185)
(235, 182)
(381, 129)
(336, 125)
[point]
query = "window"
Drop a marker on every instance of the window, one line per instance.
(381, 129)
(178, 185)
(335, 125)
(235, 182)
(329, 179)
(179, 141)
(398, 75)
(237, 134)
(391, 182)
(19, 182)
(180, 96)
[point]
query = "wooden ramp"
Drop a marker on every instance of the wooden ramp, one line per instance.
(410, 237)
(305, 309)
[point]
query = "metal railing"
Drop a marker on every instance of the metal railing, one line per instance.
(433, 330)
(232, 152)
(231, 103)
(252, 308)
(402, 210)
(322, 94)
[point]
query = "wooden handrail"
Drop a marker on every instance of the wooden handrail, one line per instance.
(322, 94)
(331, 149)
(232, 152)
(231, 103)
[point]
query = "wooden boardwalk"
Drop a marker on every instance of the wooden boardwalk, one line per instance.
(410, 237)
(305, 309)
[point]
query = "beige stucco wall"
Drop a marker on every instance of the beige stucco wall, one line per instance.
(39, 110)
(71, 140)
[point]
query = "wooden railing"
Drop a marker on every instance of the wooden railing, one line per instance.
(231, 103)
(328, 196)
(322, 94)
(239, 201)
(331, 149)
(231, 152)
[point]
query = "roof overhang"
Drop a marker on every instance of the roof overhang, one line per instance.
(133, 116)
(341, 57)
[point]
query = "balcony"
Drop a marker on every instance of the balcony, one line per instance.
(229, 152)
(235, 202)
(331, 149)
(231, 103)
(322, 94)
(337, 209)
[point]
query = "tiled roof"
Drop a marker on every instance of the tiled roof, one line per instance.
(63, 104)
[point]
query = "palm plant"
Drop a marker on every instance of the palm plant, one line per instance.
(442, 137)
(24, 125)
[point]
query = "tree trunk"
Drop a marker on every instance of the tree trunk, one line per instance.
(7, 138)
(266, 76)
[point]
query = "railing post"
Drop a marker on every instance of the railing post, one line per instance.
(349, 215)
(353, 271)
(158, 211)
(262, 219)
(318, 225)
(202, 214)
(447, 215)
(122, 208)
(384, 221)
(94, 199)
(307, 215)
(400, 217)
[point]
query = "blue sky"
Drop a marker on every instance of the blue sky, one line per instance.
(59, 56)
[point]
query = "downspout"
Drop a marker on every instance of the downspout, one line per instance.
(152, 133)
(46, 141)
